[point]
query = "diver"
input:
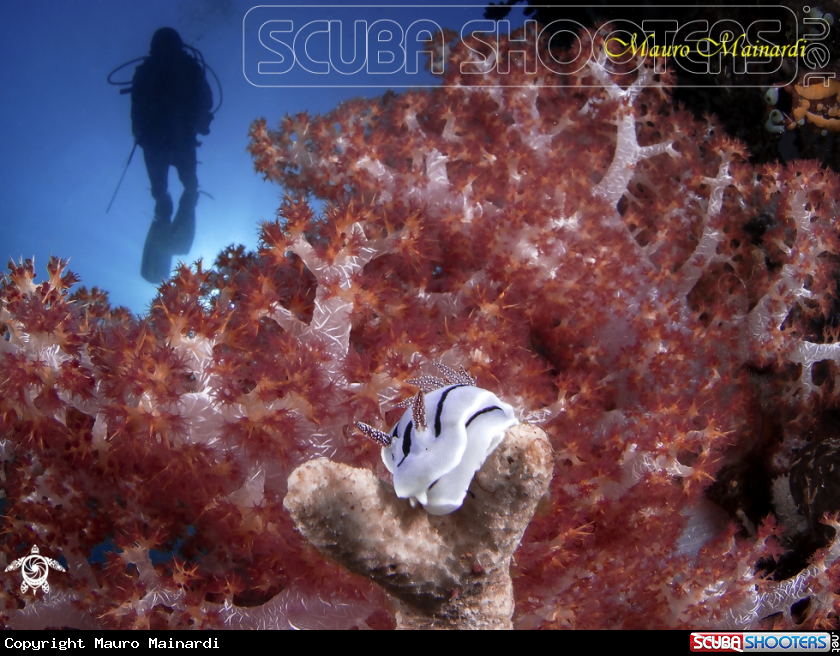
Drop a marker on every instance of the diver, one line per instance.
(171, 104)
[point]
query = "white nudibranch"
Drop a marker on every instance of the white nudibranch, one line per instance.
(434, 464)
(442, 440)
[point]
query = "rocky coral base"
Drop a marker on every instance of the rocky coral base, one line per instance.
(451, 571)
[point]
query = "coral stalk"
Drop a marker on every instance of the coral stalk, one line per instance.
(450, 571)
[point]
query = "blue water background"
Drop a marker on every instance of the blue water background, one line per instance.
(66, 133)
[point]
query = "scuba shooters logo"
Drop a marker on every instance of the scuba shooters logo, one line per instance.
(754, 641)
(318, 46)
(717, 642)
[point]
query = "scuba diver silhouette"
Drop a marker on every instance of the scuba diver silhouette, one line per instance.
(171, 104)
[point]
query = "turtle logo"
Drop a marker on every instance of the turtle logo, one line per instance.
(35, 568)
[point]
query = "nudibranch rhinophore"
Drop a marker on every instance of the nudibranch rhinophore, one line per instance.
(443, 439)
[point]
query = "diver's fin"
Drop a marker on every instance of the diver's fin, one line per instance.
(182, 230)
(157, 253)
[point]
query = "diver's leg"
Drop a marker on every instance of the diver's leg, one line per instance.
(156, 264)
(183, 227)
(157, 166)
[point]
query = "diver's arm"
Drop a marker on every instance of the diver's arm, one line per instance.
(204, 104)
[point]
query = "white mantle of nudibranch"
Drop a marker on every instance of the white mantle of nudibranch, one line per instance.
(434, 465)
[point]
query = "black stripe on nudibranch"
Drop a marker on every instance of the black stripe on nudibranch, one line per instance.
(439, 410)
(481, 412)
(406, 445)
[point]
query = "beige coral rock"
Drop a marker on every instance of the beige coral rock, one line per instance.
(450, 571)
